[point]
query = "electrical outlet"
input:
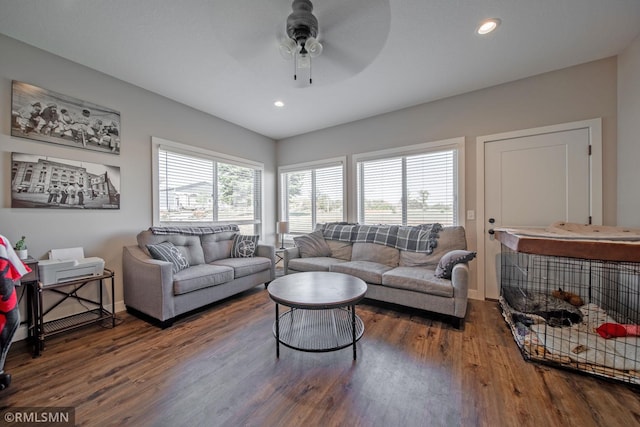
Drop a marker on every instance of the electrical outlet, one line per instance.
(471, 215)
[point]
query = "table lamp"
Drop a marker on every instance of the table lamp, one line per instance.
(282, 227)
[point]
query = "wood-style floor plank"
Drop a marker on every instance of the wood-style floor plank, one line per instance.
(218, 367)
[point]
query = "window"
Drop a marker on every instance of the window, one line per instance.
(311, 194)
(411, 186)
(198, 187)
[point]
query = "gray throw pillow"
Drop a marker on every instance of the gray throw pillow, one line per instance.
(312, 245)
(450, 259)
(244, 246)
(166, 251)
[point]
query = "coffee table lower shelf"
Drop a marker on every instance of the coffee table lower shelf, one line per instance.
(318, 330)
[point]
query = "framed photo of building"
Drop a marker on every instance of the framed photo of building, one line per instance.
(52, 183)
(47, 116)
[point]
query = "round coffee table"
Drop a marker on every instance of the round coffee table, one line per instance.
(322, 315)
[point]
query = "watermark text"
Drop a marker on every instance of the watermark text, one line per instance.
(33, 415)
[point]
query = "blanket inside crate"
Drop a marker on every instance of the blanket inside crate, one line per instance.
(578, 344)
(554, 310)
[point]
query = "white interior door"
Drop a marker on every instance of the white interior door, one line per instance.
(534, 178)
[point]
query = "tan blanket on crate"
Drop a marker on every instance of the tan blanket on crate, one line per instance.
(571, 231)
(564, 239)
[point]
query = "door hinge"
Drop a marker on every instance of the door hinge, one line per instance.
(590, 219)
(589, 149)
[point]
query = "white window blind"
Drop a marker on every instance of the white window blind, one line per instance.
(409, 190)
(194, 188)
(312, 195)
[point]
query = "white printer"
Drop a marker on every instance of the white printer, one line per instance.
(65, 265)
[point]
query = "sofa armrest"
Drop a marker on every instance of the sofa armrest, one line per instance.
(289, 254)
(268, 251)
(460, 282)
(147, 284)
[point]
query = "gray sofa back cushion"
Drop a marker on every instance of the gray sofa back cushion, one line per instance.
(450, 238)
(217, 246)
(340, 250)
(189, 246)
(375, 253)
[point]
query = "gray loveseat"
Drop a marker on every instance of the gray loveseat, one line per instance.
(398, 276)
(205, 270)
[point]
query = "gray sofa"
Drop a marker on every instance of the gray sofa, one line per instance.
(398, 276)
(153, 287)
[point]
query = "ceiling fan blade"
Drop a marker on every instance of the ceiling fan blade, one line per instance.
(338, 15)
(342, 58)
(260, 38)
(353, 34)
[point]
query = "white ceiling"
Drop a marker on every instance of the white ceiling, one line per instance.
(221, 56)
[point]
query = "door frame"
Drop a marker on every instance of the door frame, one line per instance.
(594, 127)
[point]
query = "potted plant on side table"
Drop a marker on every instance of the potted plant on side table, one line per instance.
(21, 248)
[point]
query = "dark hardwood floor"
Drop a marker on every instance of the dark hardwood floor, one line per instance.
(218, 368)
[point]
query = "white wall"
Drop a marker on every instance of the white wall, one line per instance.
(143, 114)
(629, 136)
(577, 93)
(581, 92)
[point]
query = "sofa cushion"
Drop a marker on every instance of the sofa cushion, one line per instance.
(450, 259)
(201, 276)
(417, 279)
(340, 250)
(375, 253)
(450, 238)
(217, 245)
(245, 266)
(166, 251)
(312, 245)
(313, 263)
(370, 272)
(188, 245)
(244, 246)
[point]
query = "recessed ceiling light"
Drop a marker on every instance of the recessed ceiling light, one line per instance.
(279, 104)
(488, 25)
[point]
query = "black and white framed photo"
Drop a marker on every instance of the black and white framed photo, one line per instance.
(47, 116)
(53, 183)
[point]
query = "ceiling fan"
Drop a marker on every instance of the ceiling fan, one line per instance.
(349, 35)
(301, 43)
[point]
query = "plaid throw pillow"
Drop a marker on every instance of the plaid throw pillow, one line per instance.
(166, 251)
(244, 246)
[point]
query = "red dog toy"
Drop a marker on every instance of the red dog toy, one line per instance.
(617, 330)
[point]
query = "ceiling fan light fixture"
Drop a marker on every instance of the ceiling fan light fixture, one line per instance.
(313, 46)
(288, 48)
(304, 60)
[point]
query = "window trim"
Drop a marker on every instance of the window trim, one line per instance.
(316, 164)
(456, 143)
(159, 143)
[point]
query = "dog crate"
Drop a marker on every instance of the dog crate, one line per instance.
(571, 297)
